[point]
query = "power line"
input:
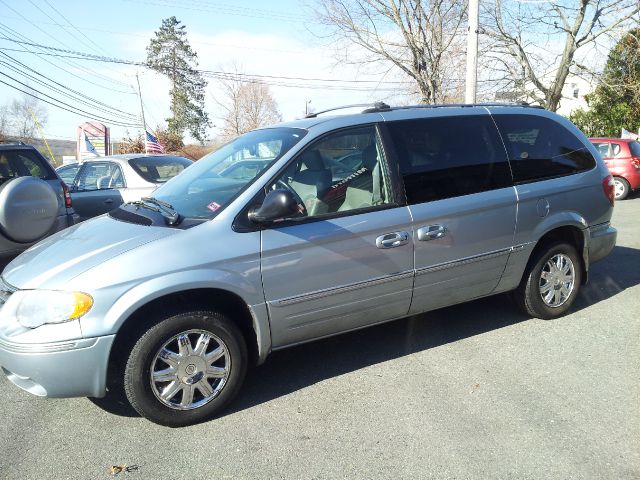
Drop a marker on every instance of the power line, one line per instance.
(90, 72)
(194, 42)
(75, 28)
(223, 9)
(75, 109)
(90, 56)
(41, 47)
(79, 97)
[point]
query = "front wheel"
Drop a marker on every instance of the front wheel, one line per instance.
(551, 283)
(186, 368)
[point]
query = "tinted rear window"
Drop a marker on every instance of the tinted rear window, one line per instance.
(159, 169)
(24, 163)
(541, 148)
(635, 148)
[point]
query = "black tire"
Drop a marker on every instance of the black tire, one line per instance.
(144, 394)
(621, 188)
(529, 297)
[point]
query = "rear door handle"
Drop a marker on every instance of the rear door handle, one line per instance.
(392, 240)
(431, 232)
(108, 201)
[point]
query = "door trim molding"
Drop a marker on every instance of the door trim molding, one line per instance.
(318, 294)
(472, 259)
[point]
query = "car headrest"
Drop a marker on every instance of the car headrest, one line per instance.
(370, 157)
(312, 160)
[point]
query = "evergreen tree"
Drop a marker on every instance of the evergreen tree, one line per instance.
(170, 54)
(615, 103)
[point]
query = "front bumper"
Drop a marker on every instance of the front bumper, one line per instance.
(602, 239)
(74, 368)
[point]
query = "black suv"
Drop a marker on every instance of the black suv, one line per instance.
(34, 202)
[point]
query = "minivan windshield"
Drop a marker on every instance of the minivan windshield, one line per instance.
(206, 187)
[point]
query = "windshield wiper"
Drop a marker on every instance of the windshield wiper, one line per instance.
(165, 209)
(170, 213)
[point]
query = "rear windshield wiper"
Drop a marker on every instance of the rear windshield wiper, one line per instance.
(165, 209)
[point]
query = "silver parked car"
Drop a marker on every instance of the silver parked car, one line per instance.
(175, 296)
(98, 185)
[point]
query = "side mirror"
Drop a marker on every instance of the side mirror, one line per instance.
(277, 205)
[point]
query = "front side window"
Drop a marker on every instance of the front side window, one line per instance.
(99, 176)
(541, 148)
(211, 183)
(342, 172)
(449, 157)
(603, 148)
(635, 148)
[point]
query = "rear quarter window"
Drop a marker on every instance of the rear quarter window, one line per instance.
(635, 148)
(24, 163)
(541, 148)
(159, 169)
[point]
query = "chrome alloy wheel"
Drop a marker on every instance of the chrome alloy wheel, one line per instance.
(618, 187)
(557, 280)
(190, 369)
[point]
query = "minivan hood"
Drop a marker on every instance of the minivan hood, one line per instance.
(57, 259)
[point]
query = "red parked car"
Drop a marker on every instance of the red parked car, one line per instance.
(622, 157)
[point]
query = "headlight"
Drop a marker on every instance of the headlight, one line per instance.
(33, 308)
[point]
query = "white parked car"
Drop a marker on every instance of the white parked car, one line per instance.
(100, 184)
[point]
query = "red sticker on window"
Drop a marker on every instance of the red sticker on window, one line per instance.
(213, 206)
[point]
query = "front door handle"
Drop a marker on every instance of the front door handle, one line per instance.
(392, 240)
(108, 201)
(431, 232)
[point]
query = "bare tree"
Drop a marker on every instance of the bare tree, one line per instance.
(21, 113)
(4, 123)
(423, 40)
(246, 105)
(537, 45)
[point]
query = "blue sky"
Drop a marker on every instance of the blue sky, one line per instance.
(277, 38)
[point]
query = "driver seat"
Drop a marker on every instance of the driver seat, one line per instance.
(311, 181)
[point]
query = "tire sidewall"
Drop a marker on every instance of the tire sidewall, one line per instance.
(138, 368)
(625, 186)
(535, 300)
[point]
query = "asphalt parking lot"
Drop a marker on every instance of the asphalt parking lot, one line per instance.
(472, 391)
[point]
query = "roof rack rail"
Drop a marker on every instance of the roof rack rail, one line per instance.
(443, 105)
(372, 107)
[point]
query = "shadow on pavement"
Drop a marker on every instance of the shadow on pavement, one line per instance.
(298, 367)
(615, 273)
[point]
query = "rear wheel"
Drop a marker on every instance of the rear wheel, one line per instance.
(186, 368)
(621, 188)
(551, 283)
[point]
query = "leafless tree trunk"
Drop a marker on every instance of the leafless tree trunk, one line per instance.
(423, 40)
(537, 45)
(21, 112)
(246, 105)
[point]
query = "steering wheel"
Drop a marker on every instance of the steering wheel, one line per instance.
(301, 206)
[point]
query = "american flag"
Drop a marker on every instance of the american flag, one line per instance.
(152, 145)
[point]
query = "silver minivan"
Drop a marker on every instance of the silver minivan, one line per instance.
(301, 231)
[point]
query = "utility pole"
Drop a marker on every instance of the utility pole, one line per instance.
(472, 52)
(144, 123)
